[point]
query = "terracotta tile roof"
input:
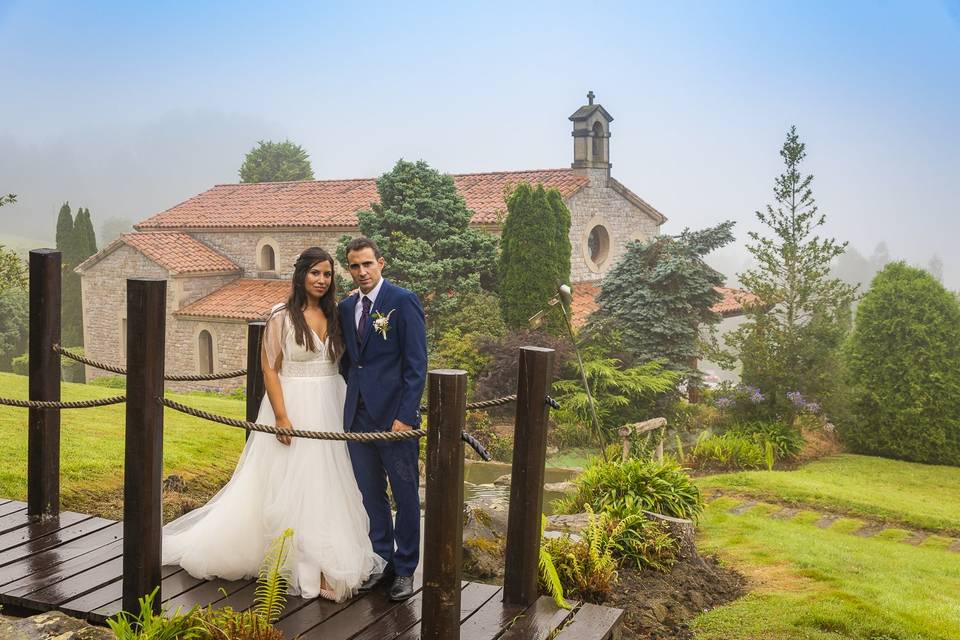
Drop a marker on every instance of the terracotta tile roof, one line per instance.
(334, 203)
(733, 301)
(584, 302)
(242, 299)
(585, 294)
(178, 252)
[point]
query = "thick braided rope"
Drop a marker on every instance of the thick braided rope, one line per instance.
(52, 404)
(200, 377)
(297, 433)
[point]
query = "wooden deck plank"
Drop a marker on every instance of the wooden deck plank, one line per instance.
(12, 506)
(473, 596)
(489, 620)
(30, 563)
(592, 621)
(43, 569)
(325, 619)
(398, 620)
(66, 543)
(48, 591)
(14, 521)
(538, 621)
(204, 594)
(36, 530)
(86, 605)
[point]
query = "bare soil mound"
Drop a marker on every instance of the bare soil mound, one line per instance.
(661, 605)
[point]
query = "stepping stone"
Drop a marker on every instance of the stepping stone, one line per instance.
(785, 514)
(869, 530)
(955, 547)
(826, 521)
(916, 538)
(740, 509)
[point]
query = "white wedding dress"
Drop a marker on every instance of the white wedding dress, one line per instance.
(308, 486)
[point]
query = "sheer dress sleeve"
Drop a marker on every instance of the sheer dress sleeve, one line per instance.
(273, 335)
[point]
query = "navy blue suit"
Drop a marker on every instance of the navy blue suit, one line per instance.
(385, 379)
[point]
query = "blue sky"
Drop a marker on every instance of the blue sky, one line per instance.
(129, 108)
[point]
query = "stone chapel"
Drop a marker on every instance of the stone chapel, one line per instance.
(227, 254)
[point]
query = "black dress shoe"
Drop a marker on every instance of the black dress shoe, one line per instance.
(402, 588)
(374, 579)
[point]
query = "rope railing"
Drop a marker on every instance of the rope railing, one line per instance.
(53, 404)
(200, 377)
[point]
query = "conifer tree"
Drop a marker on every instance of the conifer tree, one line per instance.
(86, 237)
(660, 294)
(64, 236)
(534, 253)
(791, 339)
(422, 226)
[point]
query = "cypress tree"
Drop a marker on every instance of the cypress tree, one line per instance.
(86, 237)
(64, 229)
(535, 253)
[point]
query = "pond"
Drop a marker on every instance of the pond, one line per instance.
(478, 480)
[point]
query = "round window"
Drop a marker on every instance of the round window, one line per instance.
(598, 245)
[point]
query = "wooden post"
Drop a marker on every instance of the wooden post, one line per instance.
(255, 388)
(43, 440)
(526, 480)
(443, 526)
(143, 460)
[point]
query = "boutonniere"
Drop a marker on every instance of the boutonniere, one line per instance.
(381, 323)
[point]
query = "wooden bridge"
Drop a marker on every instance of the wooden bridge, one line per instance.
(94, 568)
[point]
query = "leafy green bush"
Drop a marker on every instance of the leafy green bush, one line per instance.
(569, 435)
(727, 452)
(641, 543)
(786, 440)
(21, 365)
(624, 488)
(586, 567)
(903, 359)
(70, 370)
(148, 625)
(479, 426)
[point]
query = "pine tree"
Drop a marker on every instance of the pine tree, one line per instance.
(534, 253)
(276, 162)
(791, 339)
(660, 294)
(422, 226)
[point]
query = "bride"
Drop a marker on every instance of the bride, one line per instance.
(280, 482)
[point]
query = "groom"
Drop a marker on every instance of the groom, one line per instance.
(385, 366)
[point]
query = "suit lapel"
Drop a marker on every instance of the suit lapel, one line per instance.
(349, 315)
(377, 305)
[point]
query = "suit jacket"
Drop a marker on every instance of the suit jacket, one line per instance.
(387, 373)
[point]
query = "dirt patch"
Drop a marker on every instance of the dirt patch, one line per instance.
(661, 605)
(818, 443)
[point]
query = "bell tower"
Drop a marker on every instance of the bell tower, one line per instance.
(591, 137)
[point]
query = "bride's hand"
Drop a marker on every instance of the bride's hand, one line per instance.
(284, 423)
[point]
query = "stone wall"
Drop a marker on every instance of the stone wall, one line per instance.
(243, 247)
(104, 288)
(598, 204)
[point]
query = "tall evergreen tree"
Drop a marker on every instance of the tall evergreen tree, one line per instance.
(534, 253)
(422, 226)
(86, 237)
(660, 294)
(791, 339)
(64, 237)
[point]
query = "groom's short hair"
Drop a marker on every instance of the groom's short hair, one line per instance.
(363, 242)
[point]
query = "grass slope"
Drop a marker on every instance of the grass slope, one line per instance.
(917, 495)
(824, 584)
(92, 445)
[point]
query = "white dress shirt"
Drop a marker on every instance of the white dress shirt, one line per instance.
(373, 298)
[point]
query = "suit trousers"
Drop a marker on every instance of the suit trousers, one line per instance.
(373, 464)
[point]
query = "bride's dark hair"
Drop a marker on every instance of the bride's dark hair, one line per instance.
(328, 303)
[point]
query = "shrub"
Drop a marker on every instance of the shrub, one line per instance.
(479, 426)
(786, 440)
(904, 363)
(728, 452)
(70, 370)
(500, 377)
(641, 543)
(622, 488)
(21, 365)
(570, 434)
(586, 567)
(148, 625)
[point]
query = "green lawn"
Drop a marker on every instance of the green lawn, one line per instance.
(91, 446)
(809, 583)
(916, 495)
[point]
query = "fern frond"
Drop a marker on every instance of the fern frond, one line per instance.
(273, 580)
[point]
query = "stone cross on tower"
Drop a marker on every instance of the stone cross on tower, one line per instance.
(591, 136)
(590, 97)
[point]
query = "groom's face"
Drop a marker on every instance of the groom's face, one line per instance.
(365, 268)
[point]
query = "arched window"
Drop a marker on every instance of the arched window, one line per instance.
(268, 260)
(206, 352)
(598, 142)
(598, 245)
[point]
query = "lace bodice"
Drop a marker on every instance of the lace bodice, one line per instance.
(280, 338)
